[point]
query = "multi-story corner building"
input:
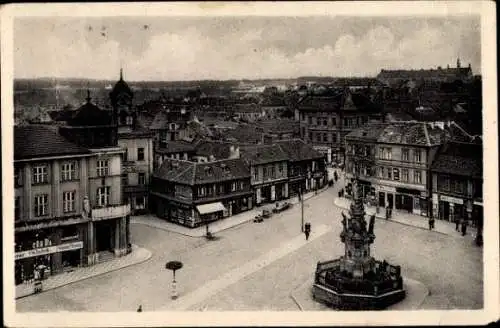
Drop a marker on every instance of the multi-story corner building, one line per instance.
(306, 166)
(137, 143)
(393, 161)
(457, 182)
(269, 172)
(68, 209)
(193, 194)
(326, 118)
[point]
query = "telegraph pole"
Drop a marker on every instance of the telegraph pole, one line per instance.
(302, 210)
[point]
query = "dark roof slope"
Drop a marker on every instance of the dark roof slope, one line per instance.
(219, 150)
(37, 141)
(464, 159)
(298, 150)
(90, 114)
(368, 133)
(262, 154)
(175, 146)
(191, 173)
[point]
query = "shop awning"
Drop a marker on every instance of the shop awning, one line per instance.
(210, 208)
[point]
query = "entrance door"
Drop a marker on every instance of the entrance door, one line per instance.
(399, 202)
(390, 200)
(381, 199)
(103, 235)
(444, 210)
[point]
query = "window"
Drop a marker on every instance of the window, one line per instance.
(318, 137)
(446, 183)
(273, 172)
(68, 171)
(125, 155)
(68, 201)
(334, 121)
(404, 175)
(405, 155)
(325, 137)
(396, 174)
(389, 173)
(140, 203)
(233, 186)
(325, 121)
(255, 174)
(264, 171)
(18, 181)
(242, 185)
(103, 196)
(380, 172)
(334, 137)
(417, 156)
(102, 168)
(140, 154)
(17, 208)
(381, 153)
(129, 120)
(309, 119)
(40, 174)
(418, 177)
(142, 178)
(124, 179)
(41, 205)
(458, 187)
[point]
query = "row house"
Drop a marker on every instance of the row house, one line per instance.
(268, 168)
(68, 200)
(325, 120)
(194, 194)
(306, 166)
(457, 182)
(393, 162)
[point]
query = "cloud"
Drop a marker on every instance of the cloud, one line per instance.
(205, 50)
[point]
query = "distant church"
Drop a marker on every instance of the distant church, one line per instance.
(391, 77)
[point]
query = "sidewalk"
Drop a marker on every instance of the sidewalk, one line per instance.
(217, 226)
(444, 227)
(137, 256)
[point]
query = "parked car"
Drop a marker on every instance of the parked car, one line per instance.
(266, 214)
(281, 207)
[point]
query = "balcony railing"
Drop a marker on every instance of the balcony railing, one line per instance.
(111, 211)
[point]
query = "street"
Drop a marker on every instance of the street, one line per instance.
(450, 267)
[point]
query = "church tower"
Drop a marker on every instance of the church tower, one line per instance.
(121, 100)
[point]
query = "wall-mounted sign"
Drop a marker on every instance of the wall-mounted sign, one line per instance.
(49, 250)
(453, 200)
(387, 189)
(478, 203)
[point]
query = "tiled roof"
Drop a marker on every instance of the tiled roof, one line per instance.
(279, 125)
(90, 114)
(179, 146)
(297, 150)
(244, 134)
(219, 150)
(263, 154)
(191, 173)
(37, 141)
(343, 101)
(464, 159)
(369, 132)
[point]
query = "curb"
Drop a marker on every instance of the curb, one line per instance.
(92, 276)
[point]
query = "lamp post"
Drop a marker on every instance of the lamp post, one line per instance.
(174, 266)
(302, 210)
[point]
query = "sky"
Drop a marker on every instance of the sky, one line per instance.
(252, 47)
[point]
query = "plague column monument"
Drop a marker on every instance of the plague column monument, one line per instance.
(356, 281)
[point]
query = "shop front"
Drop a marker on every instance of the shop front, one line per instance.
(451, 208)
(49, 248)
(207, 213)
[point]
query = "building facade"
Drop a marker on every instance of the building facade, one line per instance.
(194, 194)
(269, 172)
(325, 119)
(68, 210)
(393, 162)
(457, 182)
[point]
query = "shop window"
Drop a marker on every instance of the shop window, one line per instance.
(102, 168)
(68, 201)
(103, 196)
(142, 178)
(140, 203)
(40, 174)
(41, 205)
(140, 154)
(68, 171)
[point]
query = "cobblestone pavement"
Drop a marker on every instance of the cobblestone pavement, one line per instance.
(451, 268)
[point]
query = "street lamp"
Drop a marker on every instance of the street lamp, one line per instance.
(174, 266)
(302, 209)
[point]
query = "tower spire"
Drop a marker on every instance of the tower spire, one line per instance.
(88, 96)
(121, 73)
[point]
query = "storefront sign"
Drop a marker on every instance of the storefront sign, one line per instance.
(453, 200)
(49, 250)
(478, 203)
(387, 189)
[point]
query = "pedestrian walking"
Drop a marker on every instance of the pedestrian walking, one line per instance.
(307, 230)
(431, 223)
(464, 227)
(335, 176)
(457, 224)
(387, 213)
